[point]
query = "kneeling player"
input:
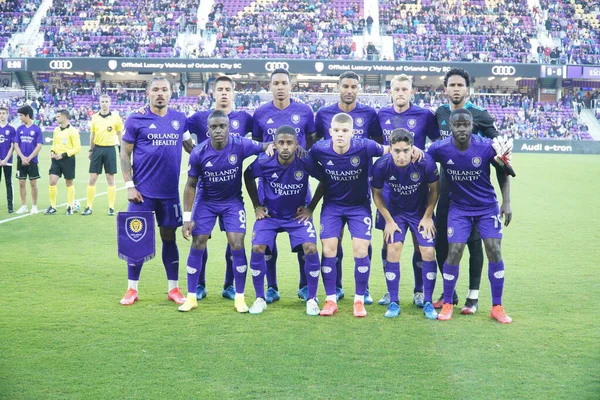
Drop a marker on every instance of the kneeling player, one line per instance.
(218, 163)
(466, 160)
(414, 191)
(285, 184)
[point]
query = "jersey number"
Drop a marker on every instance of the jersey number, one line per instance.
(243, 219)
(368, 222)
(497, 222)
(310, 230)
(177, 209)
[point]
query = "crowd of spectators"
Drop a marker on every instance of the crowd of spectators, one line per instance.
(15, 15)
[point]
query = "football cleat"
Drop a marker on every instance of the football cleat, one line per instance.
(339, 293)
(429, 311)
(229, 292)
(440, 302)
(34, 210)
(50, 211)
(189, 304)
(201, 292)
(385, 300)
(359, 309)
(446, 313)
(271, 295)
(393, 310)
(259, 306)
(240, 304)
(131, 296)
(312, 308)
(23, 210)
(303, 293)
(111, 211)
(499, 315)
(87, 211)
(368, 297)
(176, 296)
(69, 211)
(418, 299)
(11, 211)
(470, 307)
(329, 309)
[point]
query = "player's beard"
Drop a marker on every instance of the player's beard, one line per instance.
(458, 101)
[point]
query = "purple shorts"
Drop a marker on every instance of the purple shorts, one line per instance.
(167, 211)
(460, 224)
(358, 218)
(379, 220)
(405, 223)
(266, 230)
(232, 213)
(196, 202)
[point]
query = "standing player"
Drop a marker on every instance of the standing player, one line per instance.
(65, 144)
(240, 123)
(7, 135)
(345, 162)
(106, 129)
(285, 185)
(283, 110)
(466, 160)
(28, 143)
(366, 126)
(456, 84)
(218, 164)
(155, 140)
(422, 124)
(413, 192)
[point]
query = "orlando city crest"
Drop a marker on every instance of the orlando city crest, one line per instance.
(235, 123)
(298, 175)
(412, 123)
(296, 119)
(415, 176)
(232, 159)
(175, 124)
(359, 121)
(355, 161)
(136, 228)
(476, 161)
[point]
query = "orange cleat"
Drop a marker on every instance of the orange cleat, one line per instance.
(446, 313)
(131, 296)
(329, 309)
(359, 309)
(499, 315)
(176, 296)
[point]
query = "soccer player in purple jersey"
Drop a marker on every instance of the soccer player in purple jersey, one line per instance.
(466, 160)
(155, 139)
(7, 135)
(366, 126)
(285, 184)
(283, 110)
(422, 124)
(218, 164)
(413, 193)
(240, 124)
(345, 162)
(28, 143)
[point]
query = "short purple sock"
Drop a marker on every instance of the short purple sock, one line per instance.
(429, 277)
(496, 276)
(194, 269)
(134, 271)
(450, 277)
(311, 270)
(329, 273)
(258, 268)
(362, 270)
(170, 258)
(392, 279)
(240, 269)
(271, 260)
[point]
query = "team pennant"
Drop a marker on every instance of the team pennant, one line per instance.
(136, 236)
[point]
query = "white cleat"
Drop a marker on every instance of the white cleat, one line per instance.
(312, 308)
(22, 210)
(259, 306)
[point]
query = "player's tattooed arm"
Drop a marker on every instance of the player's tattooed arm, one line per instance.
(505, 210)
(260, 211)
(189, 195)
(132, 194)
(426, 224)
(319, 193)
(390, 224)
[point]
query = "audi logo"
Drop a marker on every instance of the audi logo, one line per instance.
(61, 64)
(503, 70)
(272, 66)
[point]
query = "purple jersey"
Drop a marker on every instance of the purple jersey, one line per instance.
(346, 175)
(7, 136)
(285, 187)
(267, 118)
(408, 186)
(366, 124)
(157, 145)
(240, 123)
(467, 172)
(220, 171)
(28, 138)
(421, 122)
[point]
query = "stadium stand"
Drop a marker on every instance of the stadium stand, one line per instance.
(15, 15)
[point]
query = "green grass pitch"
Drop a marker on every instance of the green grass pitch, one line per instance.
(63, 333)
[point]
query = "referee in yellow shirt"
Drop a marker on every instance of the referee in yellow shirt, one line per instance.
(65, 145)
(106, 129)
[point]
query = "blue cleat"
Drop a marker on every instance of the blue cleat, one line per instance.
(229, 292)
(339, 293)
(271, 295)
(303, 293)
(368, 298)
(201, 292)
(418, 299)
(429, 311)
(385, 300)
(393, 310)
